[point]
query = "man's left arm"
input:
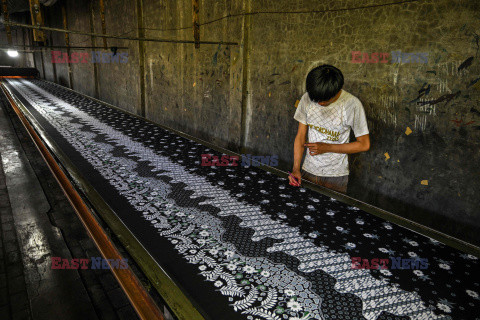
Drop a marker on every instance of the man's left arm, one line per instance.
(362, 144)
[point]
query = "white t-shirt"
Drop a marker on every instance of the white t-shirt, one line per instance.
(331, 124)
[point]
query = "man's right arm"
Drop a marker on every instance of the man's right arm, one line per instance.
(298, 150)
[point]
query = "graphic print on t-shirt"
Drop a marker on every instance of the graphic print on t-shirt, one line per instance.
(331, 135)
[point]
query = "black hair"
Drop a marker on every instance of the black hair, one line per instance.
(324, 82)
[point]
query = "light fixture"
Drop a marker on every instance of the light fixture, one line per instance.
(12, 53)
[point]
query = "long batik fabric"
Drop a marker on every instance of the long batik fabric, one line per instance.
(245, 244)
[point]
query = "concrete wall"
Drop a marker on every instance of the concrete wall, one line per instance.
(198, 91)
(243, 96)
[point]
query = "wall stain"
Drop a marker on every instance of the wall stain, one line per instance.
(446, 97)
(465, 64)
(422, 92)
(475, 111)
(472, 83)
(459, 123)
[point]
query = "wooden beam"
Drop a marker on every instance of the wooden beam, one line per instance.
(37, 20)
(92, 38)
(54, 65)
(141, 59)
(30, 41)
(246, 80)
(6, 19)
(196, 25)
(43, 65)
(104, 27)
(65, 25)
(24, 48)
(67, 43)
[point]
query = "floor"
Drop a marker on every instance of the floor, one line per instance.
(37, 223)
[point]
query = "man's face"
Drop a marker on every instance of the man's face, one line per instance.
(328, 102)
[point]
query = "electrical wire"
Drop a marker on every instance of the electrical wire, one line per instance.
(118, 37)
(241, 14)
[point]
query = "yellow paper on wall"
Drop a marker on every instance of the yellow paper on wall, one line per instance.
(424, 182)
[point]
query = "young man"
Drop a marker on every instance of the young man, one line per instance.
(328, 113)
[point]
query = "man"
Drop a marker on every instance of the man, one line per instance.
(328, 113)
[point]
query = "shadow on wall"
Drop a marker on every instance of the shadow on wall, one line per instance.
(444, 216)
(63, 81)
(423, 164)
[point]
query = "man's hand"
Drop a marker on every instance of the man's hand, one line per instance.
(317, 148)
(296, 180)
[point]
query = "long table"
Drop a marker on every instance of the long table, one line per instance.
(238, 242)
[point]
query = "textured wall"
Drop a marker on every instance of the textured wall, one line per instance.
(195, 90)
(54, 19)
(205, 92)
(444, 146)
(119, 82)
(23, 60)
